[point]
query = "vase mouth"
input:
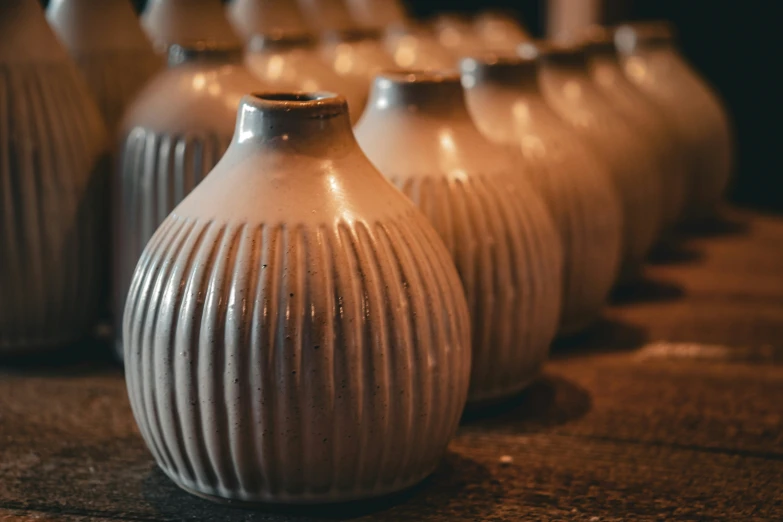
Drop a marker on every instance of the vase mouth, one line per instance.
(321, 104)
(568, 54)
(277, 40)
(598, 39)
(505, 69)
(352, 34)
(212, 51)
(495, 60)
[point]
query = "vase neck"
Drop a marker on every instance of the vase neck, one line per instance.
(511, 73)
(568, 59)
(635, 38)
(313, 123)
(26, 36)
(422, 93)
(204, 53)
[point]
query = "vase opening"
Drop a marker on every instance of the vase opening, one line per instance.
(599, 41)
(629, 38)
(280, 41)
(430, 90)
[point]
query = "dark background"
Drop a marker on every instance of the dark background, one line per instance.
(735, 44)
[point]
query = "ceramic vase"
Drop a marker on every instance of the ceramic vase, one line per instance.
(310, 339)
(284, 53)
(500, 32)
(359, 54)
(376, 14)
(508, 107)
(418, 133)
(52, 187)
(693, 109)
(413, 45)
(327, 15)
(570, 91)
(456, 33)
(646, 117)
(187, 22)
(110, 48)
(173, 134)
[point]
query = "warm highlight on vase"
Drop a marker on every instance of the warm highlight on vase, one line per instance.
(174, 133)
(52, 188)
(508, 107)
(418, 133)
(316, 351)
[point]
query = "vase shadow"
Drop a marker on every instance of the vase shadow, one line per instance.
(440, 493)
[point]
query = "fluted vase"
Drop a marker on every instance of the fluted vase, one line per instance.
(174, 133)
(52, 189)
(296, 331)
(110, 48)
(418, 133)
(633, 167)
(508, 107)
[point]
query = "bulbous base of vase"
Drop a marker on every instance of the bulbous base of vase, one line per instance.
(262, 498)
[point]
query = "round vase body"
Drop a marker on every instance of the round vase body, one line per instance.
(376, 14)
(500, 32)
(418, 133)
(506, 103)
(357, 54)
(310, 340)
(186, 23)
(569, 90)
(414, 46)
(701, 124)
(110, 48)
(53, 147)
(172, 136)
(645, 116)
(292, 62)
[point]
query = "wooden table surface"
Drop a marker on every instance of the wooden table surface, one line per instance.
(671, 408)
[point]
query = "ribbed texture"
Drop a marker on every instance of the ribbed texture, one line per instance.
(631, 164)
(115, 78)
(508, 255)
(51, 194)
(156, 172)
(586, 209)
(283, 363)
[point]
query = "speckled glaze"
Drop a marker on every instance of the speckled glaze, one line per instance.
(359, 54)
(692, 108)
(52, 188)
(506, 103)
(296, 330)
(110, 48)
(187, 22)
(173, 134)
(645, 115)
(500, 31)
(285, 55)
(418, 133)
(376, 14)
(573, 95)
(414, 45)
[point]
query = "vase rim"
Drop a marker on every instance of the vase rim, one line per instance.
(320, 104)
(179, 54)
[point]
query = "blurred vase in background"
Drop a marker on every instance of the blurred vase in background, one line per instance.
(570, 91)
(173, 134)
(652, 62)
(506, 102)
(418, 133)
(53, 184)
(186, 22)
